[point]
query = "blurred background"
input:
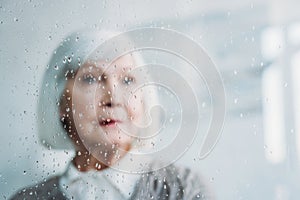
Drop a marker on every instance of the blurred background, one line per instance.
(255, 45)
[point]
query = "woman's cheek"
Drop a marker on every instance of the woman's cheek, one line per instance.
(136, 113)
(136, 106)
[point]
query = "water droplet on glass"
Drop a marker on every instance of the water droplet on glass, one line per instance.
(98, 166)
(236, 100)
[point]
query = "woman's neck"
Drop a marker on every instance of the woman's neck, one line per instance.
(86, 161)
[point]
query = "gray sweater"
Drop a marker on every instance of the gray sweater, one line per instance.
(167, 183)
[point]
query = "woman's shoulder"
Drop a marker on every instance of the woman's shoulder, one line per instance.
(174, 182)
(47, 189)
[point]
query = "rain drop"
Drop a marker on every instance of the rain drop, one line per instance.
(98, 166)
(236, 100)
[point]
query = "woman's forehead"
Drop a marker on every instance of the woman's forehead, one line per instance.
(122, 64)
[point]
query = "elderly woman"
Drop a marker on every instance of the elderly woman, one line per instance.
(87, 104)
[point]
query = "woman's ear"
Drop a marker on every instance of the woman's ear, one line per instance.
(65, 101)
(65, 106)
(65, 110)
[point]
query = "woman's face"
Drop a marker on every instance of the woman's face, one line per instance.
(101, 110)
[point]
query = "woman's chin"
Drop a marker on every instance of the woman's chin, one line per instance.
(109, 156)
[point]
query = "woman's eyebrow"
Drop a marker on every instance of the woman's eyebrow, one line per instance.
(91, 68)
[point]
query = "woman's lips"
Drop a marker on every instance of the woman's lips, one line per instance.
(109, 122)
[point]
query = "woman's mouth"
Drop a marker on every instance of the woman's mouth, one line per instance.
(108, 122)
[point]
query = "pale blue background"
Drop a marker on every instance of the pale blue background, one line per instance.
(231, 33)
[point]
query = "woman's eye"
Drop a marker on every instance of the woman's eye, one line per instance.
(128, 80)
(90, 79)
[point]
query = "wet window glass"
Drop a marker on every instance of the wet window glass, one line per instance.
(150, 100)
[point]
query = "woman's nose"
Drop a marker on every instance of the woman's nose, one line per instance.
(108, 96)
